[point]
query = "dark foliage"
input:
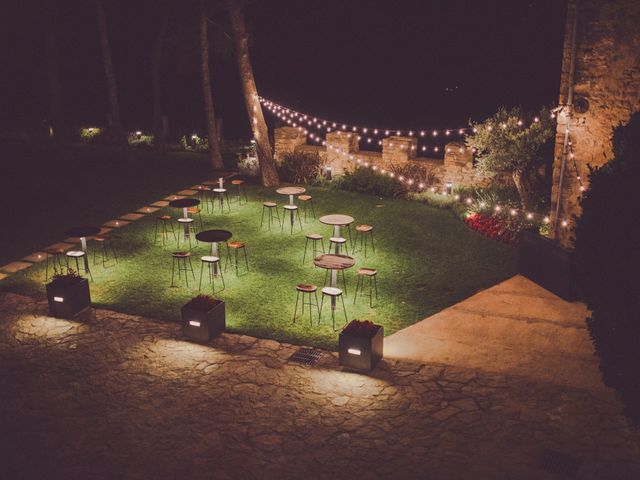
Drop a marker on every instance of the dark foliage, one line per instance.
(298, 167)
(66, 279)
(203, 302)
(365, 180)
(607, 255)
(361, 328)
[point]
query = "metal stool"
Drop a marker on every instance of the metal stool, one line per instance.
(294, 209)
(314, 237)
(58, 255)
(178, 257)
(106, 243)
(338, 241)
(236, 246)
(334, 293)
(363, 230)
(308, 289)
(190, 228)
(213, 264)
(222, 194)
(372, 273)
(240, 190)
(77, 255)
(305, 199)
(163, 221)
(269, 206)
(327, 277)
(204, 196)
(193, 211)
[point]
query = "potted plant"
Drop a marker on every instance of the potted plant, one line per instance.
(68, 294)
(203, 318)
(360, 345)
(548, 264)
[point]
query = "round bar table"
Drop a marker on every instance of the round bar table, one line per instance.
(337, 220)
(82, 233)
(214, 237)
(185, 204)
(291, 191)
(334, 262)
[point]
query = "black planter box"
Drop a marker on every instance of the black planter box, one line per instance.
(358, 352)
(66, 300)
(202, 325)
(548, 264)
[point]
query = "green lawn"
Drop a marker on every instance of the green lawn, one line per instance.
(427, 260)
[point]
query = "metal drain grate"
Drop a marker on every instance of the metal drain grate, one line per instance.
(306, 356)
(560, 463)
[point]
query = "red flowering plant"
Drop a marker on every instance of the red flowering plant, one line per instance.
(203, 302)
(362, 328)
(504, 229)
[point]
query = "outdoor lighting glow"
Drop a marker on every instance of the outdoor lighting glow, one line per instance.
(354, 351)
(483, 204)
(194, 323)
(457, 197)
(58, 299)
(421, 186)
(529, 216)
(546, 220)
(564, 223)
(513, 212)
(497, 208)
(469, 201)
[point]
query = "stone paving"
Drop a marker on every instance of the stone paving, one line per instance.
(119, 396)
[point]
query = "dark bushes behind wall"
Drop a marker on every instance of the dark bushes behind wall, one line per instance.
(607, 254)
(300, 167)
(365, 180)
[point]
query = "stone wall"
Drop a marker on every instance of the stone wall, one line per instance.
(606, 85)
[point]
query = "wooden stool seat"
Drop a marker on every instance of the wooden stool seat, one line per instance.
(164, 218)
(304, 198)
(181, 254)
(307, 199)
(237, 182)
(306, 287)
(365, 232)
(314, 236)
(210, 259)
(367, 271)
(236, 244)
(332, 291)
(181, 259)
(364, 228)
(337, 240)
(270, 204)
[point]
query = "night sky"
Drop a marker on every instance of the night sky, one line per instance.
(402, 64)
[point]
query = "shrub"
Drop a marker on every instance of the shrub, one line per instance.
(418, 174)
(607, 259)
(365, 180)
(140, 140)
(362, 328)
(203, 302)
(300, 167)
(66, 279)
(194, 143)
(506, 230)
(90, 134)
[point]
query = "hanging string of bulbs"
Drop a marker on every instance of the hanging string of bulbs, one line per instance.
(303, 122)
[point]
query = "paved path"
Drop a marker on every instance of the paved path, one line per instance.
(124, 397)
(515, 327)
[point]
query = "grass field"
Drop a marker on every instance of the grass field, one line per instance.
(427, 260)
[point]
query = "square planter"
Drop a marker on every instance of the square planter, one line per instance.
(548, 264)
(360, 352)
(66, 299)
(202, 325)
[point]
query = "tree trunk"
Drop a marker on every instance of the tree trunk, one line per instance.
(112, 92)
(252, 102)
(159, 140)
(521, 181)
(214, 145)
(56, 106)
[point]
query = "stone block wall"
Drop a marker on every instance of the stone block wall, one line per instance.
(606, 92)
(286, 140)
(397, 150)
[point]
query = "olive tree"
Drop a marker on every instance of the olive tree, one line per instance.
(505, 142)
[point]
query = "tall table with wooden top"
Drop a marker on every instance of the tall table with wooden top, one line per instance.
(334, 262)
(337, 220)
(292, 192)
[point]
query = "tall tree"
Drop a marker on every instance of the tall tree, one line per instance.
(56, 106)
(159, 139)
(252, 102)
(112, 92)
(214, 145)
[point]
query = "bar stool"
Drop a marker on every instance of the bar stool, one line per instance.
(327, 277)
(306, 288)
(165, 222)
(189, 232)
(338, 241)
(372, 274)
(240, 190)
(269, 207)
(296, 211)
(222, 194)
(236, 246)
(213, 264)
(333, 293)
(307, 199)
(193, 211)
(58, 255)
(204, 196)
(77, 255)
(363, 230)
(314, 237)
(178, 257)
(106, 244)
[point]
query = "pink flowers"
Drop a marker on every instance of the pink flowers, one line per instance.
(494, 227)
